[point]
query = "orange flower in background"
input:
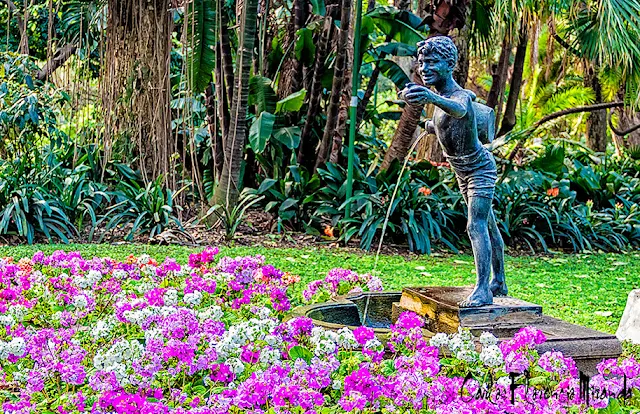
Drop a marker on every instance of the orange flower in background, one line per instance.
(553, 192)
(424, 191)
(289, 279)
(328, 231)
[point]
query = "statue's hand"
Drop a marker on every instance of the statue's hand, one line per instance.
(415, 94)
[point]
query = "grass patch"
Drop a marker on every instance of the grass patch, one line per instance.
(589, 290)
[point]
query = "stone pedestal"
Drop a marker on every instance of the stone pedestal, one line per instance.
(629, 328)
(507, 315)
(439, 306)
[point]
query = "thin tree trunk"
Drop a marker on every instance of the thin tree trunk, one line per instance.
(336, 87)
(228, 188)
(306, 150)
(227, 57)
(509, 119)
(300, 9)
(23, 47)
(596, 120)
(407, 125)
(461, 40)
(373, 80)
(499, 75)
(371, 4)
(217, 147)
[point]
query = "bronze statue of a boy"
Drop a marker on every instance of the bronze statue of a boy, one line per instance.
(456, 127)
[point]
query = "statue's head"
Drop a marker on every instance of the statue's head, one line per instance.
(437, 57)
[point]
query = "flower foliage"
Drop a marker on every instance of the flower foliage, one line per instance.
(213, 336)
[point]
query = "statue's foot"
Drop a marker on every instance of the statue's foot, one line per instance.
(498, 288)
(479, 297)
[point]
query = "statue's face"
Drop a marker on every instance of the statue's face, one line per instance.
(433, 69)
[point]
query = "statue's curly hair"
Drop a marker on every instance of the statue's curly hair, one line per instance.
(440, 46)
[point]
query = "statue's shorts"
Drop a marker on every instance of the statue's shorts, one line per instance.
(476, 173)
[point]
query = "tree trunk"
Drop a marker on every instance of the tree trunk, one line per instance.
(217, 147)
(509, 119)
(337, 86)
(499, 74)
(627, 134)
(596, 120)
(461, 39)
(226, 54)
(135, 88)
(407, 125)
(228, 188)
(23, 47)
(308, 141)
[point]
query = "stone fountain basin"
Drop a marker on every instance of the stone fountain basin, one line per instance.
(586, 346)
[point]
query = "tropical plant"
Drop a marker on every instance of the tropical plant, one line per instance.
(141, 209)
(231, 218)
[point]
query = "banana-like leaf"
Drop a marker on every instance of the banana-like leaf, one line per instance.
(400, 25)
(201, 39)
(260, 131)
(289, 136)
(305, 49)
(393, 72)
(262, 95)
(291, 103)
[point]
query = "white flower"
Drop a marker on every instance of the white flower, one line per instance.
(80, 301)
(118, 359)
(491, 356)
(263, 312)
(337, 384)
(374, 345)
(236, 366)
(193, 299)
(346, 339)
(467, 355)
(17, 346)
(119, 274)
(213, 313)
(102, 328)
(504, 381)
(18, 312)
(170, 297)
(269, 356)
(488, 339)
(6, 320)
(439, 340)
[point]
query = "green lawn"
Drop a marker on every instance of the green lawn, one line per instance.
(590, 290)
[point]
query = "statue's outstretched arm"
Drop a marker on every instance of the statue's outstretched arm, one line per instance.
(456, 106)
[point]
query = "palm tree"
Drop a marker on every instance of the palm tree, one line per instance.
(605, 34)
(228, 189)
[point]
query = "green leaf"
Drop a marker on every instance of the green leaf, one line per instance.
(393, 72)
(266, 184)
(260, 131)
(261, 94)
(552, 161)
(395, 49)
(305, 49)
(300, 352)
(318, 7)
(291, 103)
(200, 43)
(289, 136)
(400, 25)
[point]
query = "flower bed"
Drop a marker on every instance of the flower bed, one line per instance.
(101, 336)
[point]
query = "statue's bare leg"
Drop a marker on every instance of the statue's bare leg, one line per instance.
(498, 285)
(478, 230)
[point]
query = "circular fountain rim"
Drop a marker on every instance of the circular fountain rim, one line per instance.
(340, 301)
